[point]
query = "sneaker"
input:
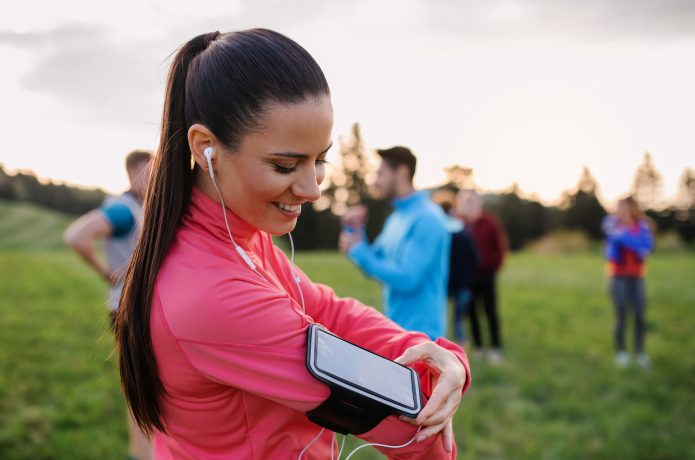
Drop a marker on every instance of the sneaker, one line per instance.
(495, 356)
(643, 360)
(622, 359)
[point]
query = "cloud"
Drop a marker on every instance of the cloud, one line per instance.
(94, 77)
(111, 74)
(587, 20)
(65, 34)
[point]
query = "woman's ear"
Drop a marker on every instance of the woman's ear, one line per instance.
(199, 138)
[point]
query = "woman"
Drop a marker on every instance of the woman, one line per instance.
(628, 242)
(212, 353)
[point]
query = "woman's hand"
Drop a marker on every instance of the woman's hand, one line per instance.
(449, 378)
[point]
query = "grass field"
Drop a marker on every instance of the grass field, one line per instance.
(557, 395)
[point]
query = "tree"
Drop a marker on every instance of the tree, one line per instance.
(582, 209)
(686, 194)
(646, 186)
(6, 192)
(523, 220)
(685, 212)
(347, 185)
(460, 177)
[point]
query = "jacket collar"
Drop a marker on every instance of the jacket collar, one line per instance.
(205, 214)
(409, 200)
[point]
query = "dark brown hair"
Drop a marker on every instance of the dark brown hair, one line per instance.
(136, 158)
(397, 156)
(635, 211)
(223, 81)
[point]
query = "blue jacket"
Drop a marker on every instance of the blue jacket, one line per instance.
(620, 237)
(411, 258)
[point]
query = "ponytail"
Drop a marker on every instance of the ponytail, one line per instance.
(166, 202)
(222, 81)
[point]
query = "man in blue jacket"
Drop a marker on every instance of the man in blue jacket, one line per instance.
(411, 255)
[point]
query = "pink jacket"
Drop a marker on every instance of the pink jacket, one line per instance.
(230, 348)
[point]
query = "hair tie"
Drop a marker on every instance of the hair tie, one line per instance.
(210, 37)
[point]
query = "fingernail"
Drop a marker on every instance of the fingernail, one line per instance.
(420, 438)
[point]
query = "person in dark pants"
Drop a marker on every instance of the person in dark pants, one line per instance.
(462, 264)
(491, 243)
(628, 243)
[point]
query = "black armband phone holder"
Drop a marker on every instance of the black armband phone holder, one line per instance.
(365, 387)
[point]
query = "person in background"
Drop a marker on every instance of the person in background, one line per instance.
(462, 264)
(410, 257)
(628, 243)
(491, 243)
(117, 225)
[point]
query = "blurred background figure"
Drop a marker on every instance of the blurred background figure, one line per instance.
(410, 257)
(117, 224)
(628, 242)
(491, 244)
(462, 264)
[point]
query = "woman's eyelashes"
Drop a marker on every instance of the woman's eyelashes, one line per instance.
(284, 169)
(289, 169)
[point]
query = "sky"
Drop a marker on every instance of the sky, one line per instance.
(525, 92)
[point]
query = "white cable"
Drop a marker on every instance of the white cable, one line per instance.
(376, 444)
(224, 213)
(238, 248)
(342, 444)
(293, 274)
(309, 445)
(333, 441)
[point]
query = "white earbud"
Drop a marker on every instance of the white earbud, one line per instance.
(208, 156)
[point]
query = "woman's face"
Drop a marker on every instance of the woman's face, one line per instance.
(278, 168)
(624, 213)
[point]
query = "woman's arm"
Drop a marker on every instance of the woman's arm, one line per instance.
(441, 365)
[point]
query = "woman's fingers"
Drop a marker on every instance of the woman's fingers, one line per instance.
(445, 411)
(449, 379)
(439, 396)
(445, 390)
(448, 436)
(420, 352)
(430, 430)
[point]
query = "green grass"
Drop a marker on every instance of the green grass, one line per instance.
(556, 396)
(31, 227)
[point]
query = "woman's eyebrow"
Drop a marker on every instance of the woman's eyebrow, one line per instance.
(297, 154)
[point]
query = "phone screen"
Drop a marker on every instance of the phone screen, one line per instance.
(360, 367)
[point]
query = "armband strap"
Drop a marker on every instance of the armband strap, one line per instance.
(347, 413)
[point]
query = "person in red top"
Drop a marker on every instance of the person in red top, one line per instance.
(491, 243)
(628, 243)
(213, 318)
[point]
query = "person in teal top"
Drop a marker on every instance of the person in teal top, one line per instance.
(410, 257)
(116, 224)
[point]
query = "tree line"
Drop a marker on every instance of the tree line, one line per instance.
(524, 219)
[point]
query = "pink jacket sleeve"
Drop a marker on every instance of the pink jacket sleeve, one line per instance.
(251, 336)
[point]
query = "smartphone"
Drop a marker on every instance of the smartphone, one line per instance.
(338, 363)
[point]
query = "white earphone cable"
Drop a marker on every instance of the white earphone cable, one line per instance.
(376, 444)
(342, 444)
(293, 274)
(310, 444)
